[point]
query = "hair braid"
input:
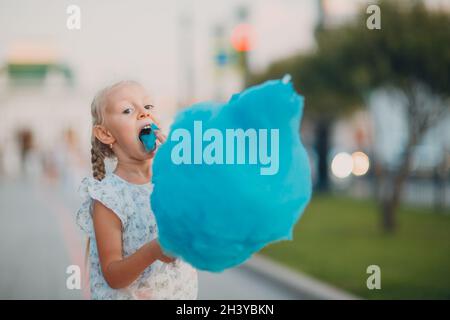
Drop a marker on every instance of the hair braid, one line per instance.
(98, 163)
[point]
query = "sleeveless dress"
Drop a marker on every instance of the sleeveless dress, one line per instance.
(131, 203)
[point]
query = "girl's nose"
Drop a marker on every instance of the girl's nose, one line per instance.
(143, 115)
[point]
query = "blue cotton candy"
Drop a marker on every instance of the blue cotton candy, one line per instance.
(149, 140)
(215, 216)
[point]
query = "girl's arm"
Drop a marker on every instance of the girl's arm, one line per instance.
(120, 272)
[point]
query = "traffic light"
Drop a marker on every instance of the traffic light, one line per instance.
(241, 37)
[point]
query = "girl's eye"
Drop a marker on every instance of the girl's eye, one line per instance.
(149, 106)
(127, 111)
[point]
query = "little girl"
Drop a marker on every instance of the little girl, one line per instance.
(126, 260)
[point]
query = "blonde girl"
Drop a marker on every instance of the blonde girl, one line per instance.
(125, 258)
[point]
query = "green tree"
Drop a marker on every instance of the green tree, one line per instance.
(410, 54)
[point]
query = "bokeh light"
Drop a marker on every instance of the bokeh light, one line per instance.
(361, 163)
(342, 165)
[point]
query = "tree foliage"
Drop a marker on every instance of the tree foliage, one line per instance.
(412, 48)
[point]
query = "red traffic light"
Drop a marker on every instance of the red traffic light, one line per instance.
(241, 37)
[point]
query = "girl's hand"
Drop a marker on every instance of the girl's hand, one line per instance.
(159, 253)
(160, 136)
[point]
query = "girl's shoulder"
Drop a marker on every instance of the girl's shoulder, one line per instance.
(93, 188)
(110, 191)
(111, 183)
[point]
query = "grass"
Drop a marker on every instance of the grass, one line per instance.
(338, 238)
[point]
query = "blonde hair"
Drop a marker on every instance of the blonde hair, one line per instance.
(99, 150)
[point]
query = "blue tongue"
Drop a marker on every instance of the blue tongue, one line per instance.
(149, 140)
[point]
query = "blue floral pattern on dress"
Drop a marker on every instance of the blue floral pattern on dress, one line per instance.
(131, 203)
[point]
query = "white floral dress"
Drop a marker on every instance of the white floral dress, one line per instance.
(131, 203)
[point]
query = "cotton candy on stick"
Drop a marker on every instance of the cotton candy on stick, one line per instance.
(215, 213)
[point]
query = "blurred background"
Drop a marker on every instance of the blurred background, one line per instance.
(376, 126)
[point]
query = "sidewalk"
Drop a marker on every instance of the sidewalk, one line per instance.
(305, 285)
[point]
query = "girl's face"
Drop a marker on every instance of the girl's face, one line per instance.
(128, 109)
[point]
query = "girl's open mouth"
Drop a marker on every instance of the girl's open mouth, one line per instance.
(148, 137)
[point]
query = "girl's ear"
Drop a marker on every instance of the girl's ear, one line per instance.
(102, 134)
